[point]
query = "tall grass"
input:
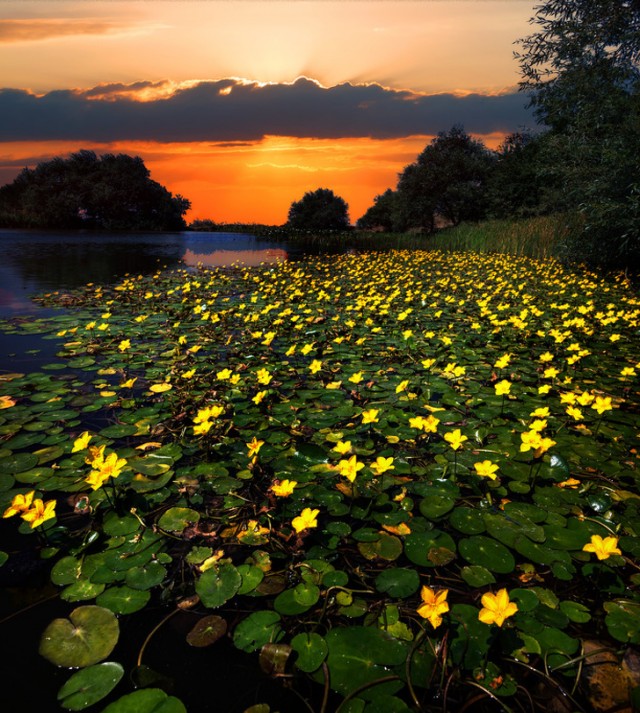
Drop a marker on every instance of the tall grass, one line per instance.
(537, 237)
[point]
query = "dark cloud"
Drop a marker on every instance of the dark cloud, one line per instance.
(37, 30)
(235, 110)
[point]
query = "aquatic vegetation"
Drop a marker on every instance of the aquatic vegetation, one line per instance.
(388, 472)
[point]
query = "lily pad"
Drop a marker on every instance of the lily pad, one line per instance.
(217, 585)
(487, 553)
(146, 700)
(207, 631)
(90, 685)
(85, 638)
(312, 650)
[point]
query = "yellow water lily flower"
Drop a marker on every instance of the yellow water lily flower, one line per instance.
(254, 446)
(502, 387)
(356, 378)
(160, 388)
(264, 377)
(349, 468)
(315, 366)
(370, 416)
(342, 447)
(305, 520)
(382, 465)
(39, 512)
(6, 402)
(20, 503)
(455, 439)
(402, 386)
(259, 397)
(496, 608)
(284, 488)
(224, 374)
(602, 404)
(434, 605)
(603, 547)
(128, 384)
(81, 442)
(486, 469)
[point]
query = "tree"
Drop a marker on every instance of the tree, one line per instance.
(447, 181)
(319, 210)
(111, 192)
(383, 214)
(581, 70)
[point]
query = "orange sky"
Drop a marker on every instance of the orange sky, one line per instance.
(427, 47)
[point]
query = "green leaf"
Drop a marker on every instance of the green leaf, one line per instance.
(297, 600)
(85, 638)
(488, 553)
(424, 548)
(258, 629)
(207, 631)
(123, 600)
(398, 582)
(90, 685)
(146, 700)
(623, 620)
(476, 576)
(217, 585)
(312, 650)
(178, 519)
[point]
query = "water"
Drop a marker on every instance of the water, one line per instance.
(34, 262)
(37, 262)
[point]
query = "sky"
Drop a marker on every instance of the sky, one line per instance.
(242, 106)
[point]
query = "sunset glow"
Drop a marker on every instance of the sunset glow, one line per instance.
(223, 115)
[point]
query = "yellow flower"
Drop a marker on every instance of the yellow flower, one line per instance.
(81, 442)
(430, 424)
(356, 378)
(349, 468)
(224, 374)
(305, 520)
(542, 412)
(202, 428)
(503, 361)
(160, 388)
(128, 384)
(502, 387)
(428, 363)
(381, 465)
(264, 377)
(290, 351)
(530, 439)
(342, 447)
(486, 469)
(402, 386)
(307, 348)
(628, 371)
(434, 605)
(603, 548)
(575, 413)
(40, 512)
(333, 385)
(551, 372)
(259, 397)
(407, 333)
(284, 488)
(124, 345)
(585, 398)
(538, 424)
(370, 416)
(547, 356)
(6, 402)
(496, 608)
(20, 503)
(315, 366)
(254, 446)
(235, 379)
(544, 389)
(268, 338)
(455, 439)
(602, 404)
(104, 468)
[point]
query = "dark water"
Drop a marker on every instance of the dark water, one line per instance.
(217, 679)
(34, 262)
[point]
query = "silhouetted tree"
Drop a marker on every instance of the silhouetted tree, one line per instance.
(448, 180)
(111, 192)
(580, 69)
(383, 214)
(319, 210)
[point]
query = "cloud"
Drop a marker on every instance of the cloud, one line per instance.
(37, 30)
(230, 110)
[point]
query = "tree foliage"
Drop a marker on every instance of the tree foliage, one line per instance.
(580, 69)
(319, 210)
(110, 192)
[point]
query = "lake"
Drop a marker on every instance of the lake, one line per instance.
(33, 262)
(36, 262)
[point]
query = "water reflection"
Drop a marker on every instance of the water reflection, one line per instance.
(221, 258)
(33, 262)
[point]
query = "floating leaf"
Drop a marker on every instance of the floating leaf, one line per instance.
(123, 600)
(90, 685)
(85, 638)
(398, 582)
(258, 629)
(487, 553)
(146, 700)
(312, 650)
(178, 519)
(207, 631)
(217, 585)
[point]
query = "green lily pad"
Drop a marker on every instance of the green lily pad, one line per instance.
(477, 576)
(425, 548)
(623, 620)
(178, 519)
(146, 576)
(90, 685)
(123, 600)
(398, 582)
(359, 655)
(87, 637)
(297, 600)
(207, 631)
(487, 553)
(312, 650)
(385, 546)
(258, 629)
(18, 462)
(146, 700)
(217, 585)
